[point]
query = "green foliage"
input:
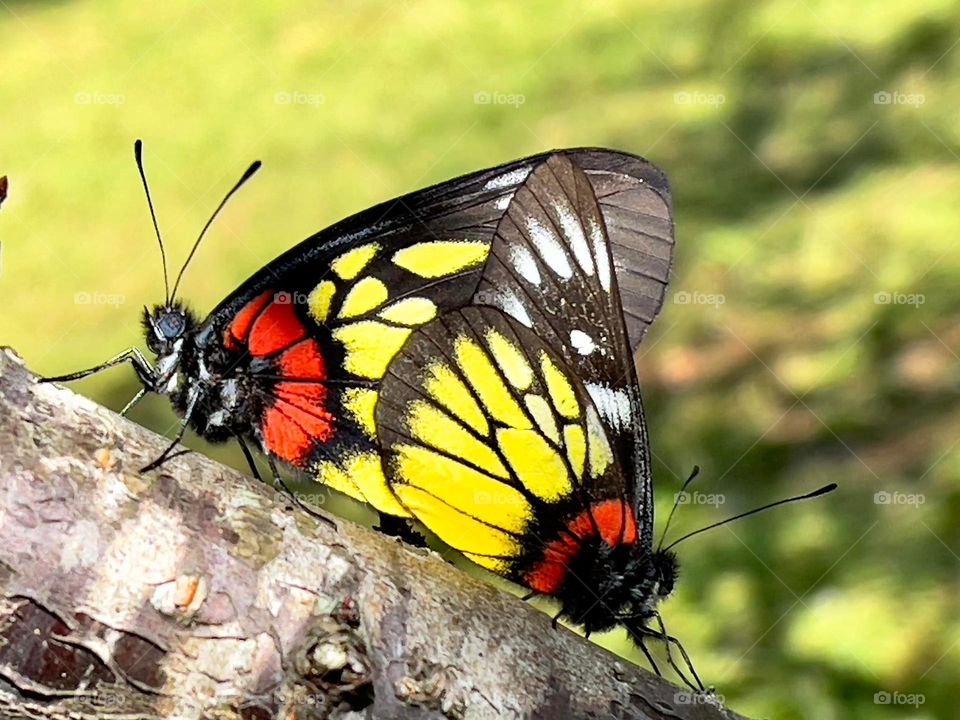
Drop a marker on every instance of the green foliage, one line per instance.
(817, 258)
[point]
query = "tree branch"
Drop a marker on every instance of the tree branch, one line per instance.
(194, 591)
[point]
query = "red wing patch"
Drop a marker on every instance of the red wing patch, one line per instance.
(617, 525)
(240, 327)
(277, 327)
(297, 419)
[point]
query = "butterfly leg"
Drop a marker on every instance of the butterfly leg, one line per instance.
(133, 401)
(249, 458)
(669, 640)
(167, 454)
(643, 646)
(140, 364)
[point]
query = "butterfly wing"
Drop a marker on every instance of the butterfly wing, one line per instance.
(493, 443)
(328, 317)
(551, 267)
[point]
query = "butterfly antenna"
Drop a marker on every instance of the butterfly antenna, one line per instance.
(676, 504)
(243, 179)
(816, 493)
(138, 156)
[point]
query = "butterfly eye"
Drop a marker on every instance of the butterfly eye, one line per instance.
(171, 325)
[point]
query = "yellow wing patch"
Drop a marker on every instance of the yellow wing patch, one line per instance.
(576, 445)
(361, 404)
(486, 381)
(539, 408)
(538, 466)
(435, 428)
(361, 477)
(559, 387)
(364, 296)
(370, 346)
(410, 311)
(458, 529)
(351, 263)
(598, 447)
(459, 486)
(441, 257)
(320, 299)
(511, 360)
(444, 386)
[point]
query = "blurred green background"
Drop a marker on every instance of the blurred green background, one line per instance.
(812, 332)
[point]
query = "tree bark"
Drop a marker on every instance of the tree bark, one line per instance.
(194, 591)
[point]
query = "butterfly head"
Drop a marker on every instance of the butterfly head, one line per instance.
(166, 329)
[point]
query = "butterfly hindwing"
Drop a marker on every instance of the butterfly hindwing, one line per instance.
(492, 442)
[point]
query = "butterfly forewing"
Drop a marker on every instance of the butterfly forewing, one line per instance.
(551, 268)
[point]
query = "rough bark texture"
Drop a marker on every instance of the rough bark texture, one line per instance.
(194, 591)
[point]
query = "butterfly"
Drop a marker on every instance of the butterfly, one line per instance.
(4, 185)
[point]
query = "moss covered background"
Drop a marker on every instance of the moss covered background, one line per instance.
(812, 331)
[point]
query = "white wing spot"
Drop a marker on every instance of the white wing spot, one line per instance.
(574, 234)
(549, 247)
(511, 178)
(513, 307)
(600, 253)
(613, 404)
(582, 342)
(525, 264)
(503, 201)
